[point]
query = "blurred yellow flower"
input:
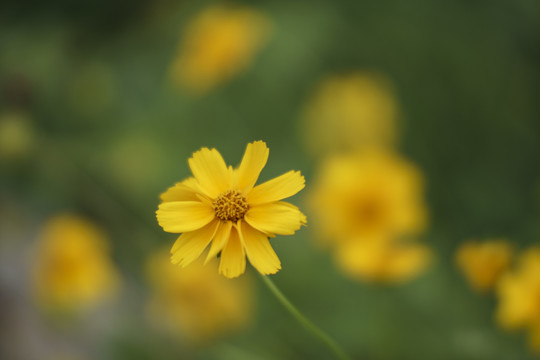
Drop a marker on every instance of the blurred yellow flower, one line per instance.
(196, 301)
(382, 261)
(72, 268)
(222, 206)
(519, 294)
(368, 194)
(366, 205)
(218, 44)
(483, 263)
(349, 112)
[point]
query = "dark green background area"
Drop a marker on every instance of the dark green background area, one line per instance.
(111, 133)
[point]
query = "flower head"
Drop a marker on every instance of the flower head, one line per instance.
(217, 45)
(72, 268)
(349, 112)
(371, 194)
(519, 296)
(196, 301)
(222, 206)
(483, 263)
(367, 205)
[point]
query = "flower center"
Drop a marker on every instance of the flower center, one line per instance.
(230, 206)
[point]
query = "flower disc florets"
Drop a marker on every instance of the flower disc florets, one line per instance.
(230, 206)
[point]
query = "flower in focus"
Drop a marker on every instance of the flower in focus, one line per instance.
(222, 206)
(196, 301)
(519, 293)
(483, 263)
(349, 112)
(217, 45)
(367, 204)
(72, 268)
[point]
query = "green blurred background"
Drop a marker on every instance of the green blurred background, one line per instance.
(104, 132)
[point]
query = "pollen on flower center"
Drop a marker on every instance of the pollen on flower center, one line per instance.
(230, 206)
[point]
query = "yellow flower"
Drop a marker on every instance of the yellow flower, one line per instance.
(217, 45)
(222, 206)
(370, 194)
(367, 204)
(484, 263)
(349, 112)
(196, 301)
(382, 261)
(72, 268)
(519, 294)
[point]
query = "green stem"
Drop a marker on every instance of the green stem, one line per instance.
(327, 340)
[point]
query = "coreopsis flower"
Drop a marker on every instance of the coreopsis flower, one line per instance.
(483, 263)
(380, 260)
(519, 292)
(218, 44)
(73, 268)
(368, 205)
(370, 194)
(196, 302)
(349, 112)
(222, 206)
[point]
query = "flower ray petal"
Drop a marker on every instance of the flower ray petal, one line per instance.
(259, 251)
(183, 216)
(190, 245)
(220, 239)
(233, 257)
(253, 162)
(279, 188)
(276, 218)
(210, 170)
(181, 191)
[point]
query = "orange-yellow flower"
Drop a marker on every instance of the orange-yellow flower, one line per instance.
(519, 294)
(218, 44)
(72, 268)
(196, 302)
(351, 111)
(370, 194)
(222, 206)
(368, 205)
(483, 263)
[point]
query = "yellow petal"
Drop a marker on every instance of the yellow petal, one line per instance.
(258, 250)
(233, 258)
(190, 245)
(278, 188)
(220, 239)
(277, 218)
(252, 163)
(210, 170)
(517, 301)
(182, 216)
(181, 191)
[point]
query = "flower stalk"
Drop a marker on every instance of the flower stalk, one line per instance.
(308, 325)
